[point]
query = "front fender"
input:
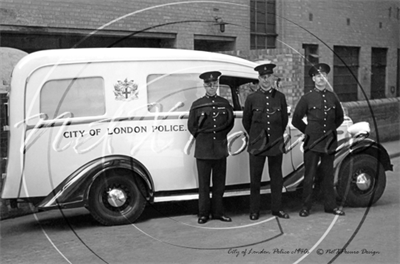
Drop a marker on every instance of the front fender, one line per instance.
(73, 191)
(352, 146)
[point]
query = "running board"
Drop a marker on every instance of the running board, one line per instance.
(187, 197)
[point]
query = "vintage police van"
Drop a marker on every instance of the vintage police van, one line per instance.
(107, 129)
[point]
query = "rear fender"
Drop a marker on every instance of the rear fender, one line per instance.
(74, 190)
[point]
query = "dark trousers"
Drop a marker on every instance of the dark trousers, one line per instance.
(275, 173)
(218, 170)
(311, 160)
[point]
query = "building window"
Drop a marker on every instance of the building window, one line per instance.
(262, 24)
(213, 43)
(398, 74)
(378, 70)
(311, 57)
(345, 72)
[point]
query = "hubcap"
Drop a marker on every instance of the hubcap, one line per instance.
(116, 197)
(363, 181)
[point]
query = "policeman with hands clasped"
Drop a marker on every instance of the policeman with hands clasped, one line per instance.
(324, 115)
(210, 120)
(265, 118)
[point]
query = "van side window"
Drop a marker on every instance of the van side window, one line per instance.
(79, 97)
(173, 92)
(240, 88)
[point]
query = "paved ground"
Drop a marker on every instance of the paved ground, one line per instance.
(169, 233)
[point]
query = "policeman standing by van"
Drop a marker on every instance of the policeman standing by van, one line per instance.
(265, 118)
(324, 115)
(210, 120)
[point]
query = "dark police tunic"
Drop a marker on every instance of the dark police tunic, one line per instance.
(210, 120)
(265, 118)
(207, 122)
(324, 115)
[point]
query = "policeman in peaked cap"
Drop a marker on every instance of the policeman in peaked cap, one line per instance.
(210, 120)
(263, 69)
(211, 76)
(265, 118)
(324, 115)
(319, 68)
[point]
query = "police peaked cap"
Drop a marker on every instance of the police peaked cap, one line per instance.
(265, 68)
(210, 76)
(318, 68)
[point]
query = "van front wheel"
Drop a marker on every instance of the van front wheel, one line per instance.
(116, 198)
(362, 181)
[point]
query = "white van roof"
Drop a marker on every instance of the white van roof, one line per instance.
(62, 56)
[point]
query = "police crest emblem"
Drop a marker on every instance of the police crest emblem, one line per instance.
(126, 90)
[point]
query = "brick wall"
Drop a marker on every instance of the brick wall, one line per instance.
(289, 67)
(115, 17)
(365, 24)
(383, 116)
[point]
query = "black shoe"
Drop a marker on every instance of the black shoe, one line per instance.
(202, 219)
(304, 212)
(254, 216)
(335, 211)
(223, 218)
(281, 214)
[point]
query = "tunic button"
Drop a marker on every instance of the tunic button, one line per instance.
(213, 137)
(215, 120)
(268, 122)
(267, 103)
(269, 135)
(215, 125)
(268, 128)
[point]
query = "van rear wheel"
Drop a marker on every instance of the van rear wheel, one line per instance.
(116, 198)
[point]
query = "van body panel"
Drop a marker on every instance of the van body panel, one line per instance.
(107, 129)
(53, 143)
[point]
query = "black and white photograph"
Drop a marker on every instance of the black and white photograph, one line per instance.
(200, 131)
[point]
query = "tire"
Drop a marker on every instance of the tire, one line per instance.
(118, 197)
(371, 181)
